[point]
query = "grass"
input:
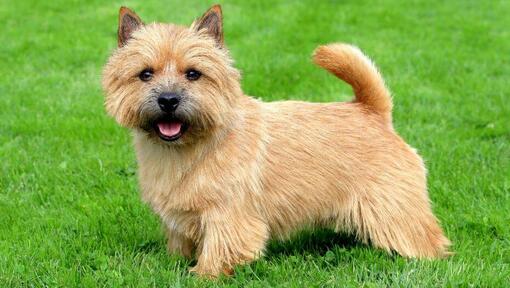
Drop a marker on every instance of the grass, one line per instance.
(70, 213)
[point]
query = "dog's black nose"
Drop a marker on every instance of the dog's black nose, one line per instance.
(168, 102)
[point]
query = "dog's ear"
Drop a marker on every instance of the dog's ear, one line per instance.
(128, 23)
(212, 21)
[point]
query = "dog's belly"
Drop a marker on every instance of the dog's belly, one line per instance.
(322, 158)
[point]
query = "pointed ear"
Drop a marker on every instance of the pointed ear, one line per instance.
(128, 23)
(212, 21)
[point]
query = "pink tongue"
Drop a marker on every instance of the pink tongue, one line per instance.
(169, 129)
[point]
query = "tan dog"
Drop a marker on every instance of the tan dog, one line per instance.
(227, 172)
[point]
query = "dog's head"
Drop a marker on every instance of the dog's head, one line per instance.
(174, 83)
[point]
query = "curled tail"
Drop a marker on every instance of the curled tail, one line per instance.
(352, 66)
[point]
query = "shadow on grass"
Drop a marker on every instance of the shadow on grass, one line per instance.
(315, 243)
(321, 249)
(150, 246)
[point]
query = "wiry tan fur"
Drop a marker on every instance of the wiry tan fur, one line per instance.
(248, 170)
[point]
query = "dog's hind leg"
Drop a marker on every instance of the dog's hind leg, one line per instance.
(396, 221)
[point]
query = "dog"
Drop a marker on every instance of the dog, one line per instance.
(227, 172)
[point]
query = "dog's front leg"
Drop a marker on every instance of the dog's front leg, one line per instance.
(179, 244)
(229, 238)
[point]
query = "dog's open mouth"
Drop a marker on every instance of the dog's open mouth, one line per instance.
(170, 129)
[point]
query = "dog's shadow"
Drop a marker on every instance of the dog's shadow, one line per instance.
(316, 243)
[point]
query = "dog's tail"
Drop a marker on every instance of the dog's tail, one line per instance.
(348, 63)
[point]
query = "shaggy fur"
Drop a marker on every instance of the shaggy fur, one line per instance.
(245, 170)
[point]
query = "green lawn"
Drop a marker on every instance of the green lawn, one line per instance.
(70, 211)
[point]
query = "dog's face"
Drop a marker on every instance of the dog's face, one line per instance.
(175, 83)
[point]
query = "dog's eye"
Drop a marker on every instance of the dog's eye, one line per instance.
(146, 75)
(193, 74)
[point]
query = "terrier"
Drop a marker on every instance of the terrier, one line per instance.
(227, 172)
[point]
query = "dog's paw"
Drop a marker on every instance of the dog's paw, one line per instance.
(204, 273)
(210, 273)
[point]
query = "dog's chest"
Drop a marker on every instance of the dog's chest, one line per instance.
(163, 189)
(168, 195)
